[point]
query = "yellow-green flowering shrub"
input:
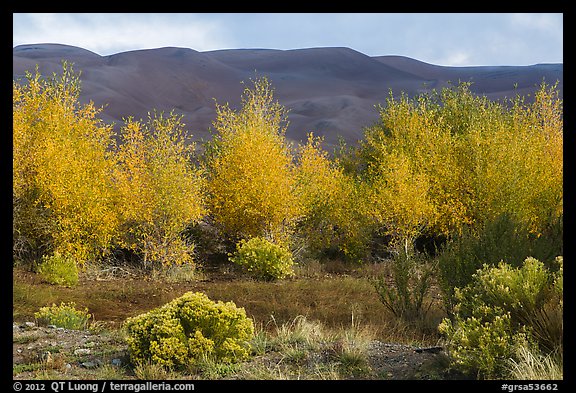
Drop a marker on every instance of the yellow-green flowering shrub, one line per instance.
(502, 238)
(188, 328)
(501, 308)
(482, 346)
(263, 259)
(59, 269)
(65, 315)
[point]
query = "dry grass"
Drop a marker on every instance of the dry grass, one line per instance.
(532, 365)
(307, 349)
(331, 299)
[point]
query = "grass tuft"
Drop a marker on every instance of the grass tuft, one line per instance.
(532, 365)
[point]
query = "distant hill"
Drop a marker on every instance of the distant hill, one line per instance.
(331, 91)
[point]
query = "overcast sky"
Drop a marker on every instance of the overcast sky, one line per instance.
(442, 39)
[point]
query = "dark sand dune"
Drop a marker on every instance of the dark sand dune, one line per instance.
(330, 91)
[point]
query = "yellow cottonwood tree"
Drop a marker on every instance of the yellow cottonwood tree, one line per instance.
(160, 192)
(399, 200)
(250, 171)
(522, 164)
(333, 205)
(62, 194)
(449, 159)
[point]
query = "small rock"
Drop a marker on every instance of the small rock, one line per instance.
(19, 350)
(117, 362)
(29, 324)
(429, 349)
(51, 326)
(68, 367)
(91, 364)
(82, 351)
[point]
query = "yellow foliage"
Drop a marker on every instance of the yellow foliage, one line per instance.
(77, 194)
(61, 168)
(189, 328)
(250, 170)
(160, 193)
(334, 212)
(400, 199)
(448, 159)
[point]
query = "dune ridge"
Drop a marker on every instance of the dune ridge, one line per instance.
(330, 91)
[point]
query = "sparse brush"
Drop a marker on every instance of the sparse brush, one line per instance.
(300, 332)
(152, 371)
(406, 294)
(326, 372)
(177, 273)
(210, 368)
(260, 343)
(110, 372)
(350, 349)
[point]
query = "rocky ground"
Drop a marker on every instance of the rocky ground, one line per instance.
(51, 352)
(69, 354)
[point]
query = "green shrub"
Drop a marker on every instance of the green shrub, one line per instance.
(188, 328)
(501, 239)
(482, 343)
(528, 293)
(501, 308)
(264, 259)
(405, 296)
(59, 269)
(65, 315)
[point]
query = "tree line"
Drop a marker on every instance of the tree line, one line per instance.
(437, 165)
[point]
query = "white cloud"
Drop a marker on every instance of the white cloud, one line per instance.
(443, 39)
(551, 24)
(455, 59)
(111, 33)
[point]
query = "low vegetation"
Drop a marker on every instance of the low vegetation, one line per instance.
(504, 309)
(448, 213)
(263, 259)
(64, 316)
(187, 329)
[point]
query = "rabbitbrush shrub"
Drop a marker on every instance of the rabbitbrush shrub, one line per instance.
(65, 315)
(264, 259)
(59, 269)
(187, 329)
(501, 309)
(500, 239)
